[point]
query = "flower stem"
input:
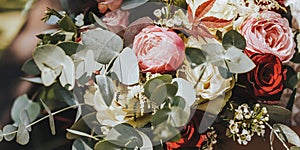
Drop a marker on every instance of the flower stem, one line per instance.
(272, 131)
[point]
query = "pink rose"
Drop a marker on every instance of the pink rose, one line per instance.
(158, 49)
(268, 32)
(116, 20)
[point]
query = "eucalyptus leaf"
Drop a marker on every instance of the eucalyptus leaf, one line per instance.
(125, 136)
(71, 48)
(291, 135)
(185, 90)
(29, 67)
(76, 132)
(130, 4)
(23, 103)
(147, 144)
(8, 132)
(36, 80)
(160, 116)
(216, 105)
(105, 44)
(153, 83)
(22, 135)
(178, 117)
(24, 117)
(179, 102)
(234, 38)
(67, 77)
(99, 21)
(79, 144)
(214, 53)
(159, 94)
(67, 24)
(277, 113)
(126, 67)
(195, 55)
(225, 73)
(51, 118)
(106, 88)
(237, 61)
(107, 145)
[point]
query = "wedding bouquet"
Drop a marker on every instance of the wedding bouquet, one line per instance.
(165, 74)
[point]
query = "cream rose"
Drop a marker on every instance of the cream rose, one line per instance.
(212, 84)
(268, 32)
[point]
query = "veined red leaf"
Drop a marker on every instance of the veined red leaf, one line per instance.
(213, 22)
(190, 14)
(199, 30)
(203, 9)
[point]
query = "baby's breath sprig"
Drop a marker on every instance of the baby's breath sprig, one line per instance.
(247, 122)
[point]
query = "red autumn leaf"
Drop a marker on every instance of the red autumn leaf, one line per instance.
(213, 22)
(203, 9)
(190, 14)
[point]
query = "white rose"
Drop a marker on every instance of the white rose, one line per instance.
(212, 84)
(295, 9)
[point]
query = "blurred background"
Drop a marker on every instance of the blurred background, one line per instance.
(11, 19)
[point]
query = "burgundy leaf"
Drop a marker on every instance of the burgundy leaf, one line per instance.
(213, 22)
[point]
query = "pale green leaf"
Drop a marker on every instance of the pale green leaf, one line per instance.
(185, 90)
(165, 132)
(216, 105)
(178, 117)
(147, 144)
(99, 21)
(22, 135)
(9, 132)
(23, 103)
(48, 76)
(79, 144)
(125, 136)
(130, 4)
(37, 80)
(67, 77)
(105, 44)
(126, 67)
(237, 61)
(288, 133)
(153, 83)
(106, 88)
(214, 53)
(195, 55)
(51, 118)
(277, 113)
(24, 117)
(107, 145)
(76, 132)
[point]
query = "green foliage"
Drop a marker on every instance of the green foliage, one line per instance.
(287, 134)
(153, 83)
(31, 68)
(105, 44)
(166, 132)
(278, 114)
(51, 38)
(79, 144)
(71, 48)
(107, 145)
(185, 90)
(126, 67)
(67, 24)
(22, 135)
(51, 118)
(174, 116)
(53, 62)
(130, 4)
(233, 39)
(125, 136)
(9, 132)
(23, 103)
(106, 88)
(291, 78)
(195, 55)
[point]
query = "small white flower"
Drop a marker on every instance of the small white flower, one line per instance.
(264, 110)
(79, 20)
(233, 126)
(170, 23)
(134, 91)
(239, 114)
(157, 13)
(244, 137)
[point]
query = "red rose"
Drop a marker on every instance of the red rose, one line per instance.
(268, 76)
(158, 49)
(190, 136)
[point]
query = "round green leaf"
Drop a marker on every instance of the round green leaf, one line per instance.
(79, 144)
(124, 135)
(71, 48)
(160, 116)
(147, 144)
(7, 130)
(153, 83)
(233, 38)
(22, 135)
(278, 114)
(105, 44)
(166, 132)
(31, 68)
(107, 145)
(287, 132)
(195, 55)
